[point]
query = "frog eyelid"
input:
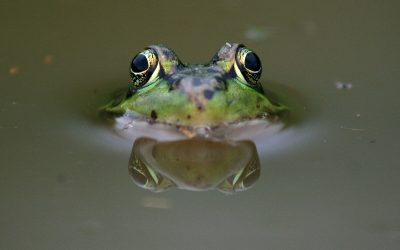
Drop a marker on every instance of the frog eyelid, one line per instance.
(238, 73)
(155, 74)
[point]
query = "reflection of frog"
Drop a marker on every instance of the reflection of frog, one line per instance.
(194, 164)
(225, 91)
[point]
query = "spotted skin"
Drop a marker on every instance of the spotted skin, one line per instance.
(197, 95)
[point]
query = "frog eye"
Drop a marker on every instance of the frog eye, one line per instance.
(144, 68)
(248, 66)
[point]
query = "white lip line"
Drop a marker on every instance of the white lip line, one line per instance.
(130, 127)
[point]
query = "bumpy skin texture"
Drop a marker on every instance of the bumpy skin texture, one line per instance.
(197, 95)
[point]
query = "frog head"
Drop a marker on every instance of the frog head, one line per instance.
(165, 90)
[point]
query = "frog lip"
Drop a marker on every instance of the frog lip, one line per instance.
(131, 125)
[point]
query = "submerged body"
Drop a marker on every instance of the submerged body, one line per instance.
(225, 91)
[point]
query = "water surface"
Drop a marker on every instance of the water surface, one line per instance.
(330, 182)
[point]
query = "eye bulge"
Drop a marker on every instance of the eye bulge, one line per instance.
(249, 65)
(145, 64)
(142, 67)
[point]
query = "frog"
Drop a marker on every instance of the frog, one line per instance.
(223, 92)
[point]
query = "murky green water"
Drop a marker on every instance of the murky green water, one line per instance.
(331, 182)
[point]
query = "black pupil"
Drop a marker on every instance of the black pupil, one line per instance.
(252, 62)
(139, 63)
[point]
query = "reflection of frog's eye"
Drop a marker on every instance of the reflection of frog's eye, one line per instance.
(248, 65)
(143, 66)
(146, 177)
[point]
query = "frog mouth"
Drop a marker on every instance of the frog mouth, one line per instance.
(132, 126)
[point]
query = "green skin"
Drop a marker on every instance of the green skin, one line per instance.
(196, 95)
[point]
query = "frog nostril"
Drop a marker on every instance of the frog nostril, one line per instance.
(208, 94)
(196, 81)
